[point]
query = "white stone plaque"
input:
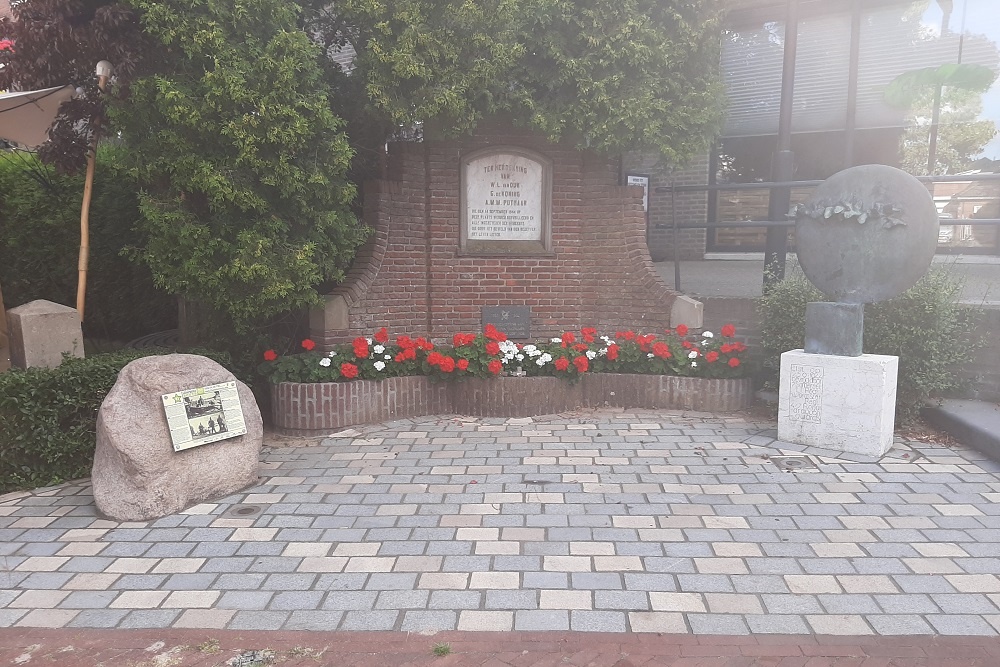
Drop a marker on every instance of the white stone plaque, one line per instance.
(203, 415)
(504, 197)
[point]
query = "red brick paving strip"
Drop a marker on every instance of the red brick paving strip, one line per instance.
(213, 648)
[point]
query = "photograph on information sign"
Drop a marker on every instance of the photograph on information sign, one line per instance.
(203, 415)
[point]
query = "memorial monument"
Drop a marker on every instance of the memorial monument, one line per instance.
(867, 234)
(501, 228)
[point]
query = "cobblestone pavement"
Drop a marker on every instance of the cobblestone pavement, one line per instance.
(597, 521)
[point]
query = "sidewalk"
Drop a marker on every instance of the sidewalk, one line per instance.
(590, 522)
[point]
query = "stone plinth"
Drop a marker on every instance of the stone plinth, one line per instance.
(137, 475)
(843, 403)
(41, 332)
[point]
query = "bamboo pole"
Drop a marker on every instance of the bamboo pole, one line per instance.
(103, 72)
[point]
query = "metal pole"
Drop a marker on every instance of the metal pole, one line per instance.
(850, 125)
(676, 241)
(776, 244)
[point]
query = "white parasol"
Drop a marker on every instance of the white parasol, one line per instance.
(25, 117)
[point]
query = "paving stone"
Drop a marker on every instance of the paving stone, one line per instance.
(597, 621)
(717, 624)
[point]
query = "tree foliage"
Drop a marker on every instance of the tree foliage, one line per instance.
(609, 75)
(243, 164)
(60, 42)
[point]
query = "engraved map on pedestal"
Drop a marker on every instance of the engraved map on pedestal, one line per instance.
(805, 397)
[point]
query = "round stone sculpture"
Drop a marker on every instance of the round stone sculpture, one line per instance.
(867, 234)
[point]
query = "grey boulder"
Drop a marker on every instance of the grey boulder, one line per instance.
(137, 475)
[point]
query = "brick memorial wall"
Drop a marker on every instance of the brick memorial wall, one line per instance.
(545, 227)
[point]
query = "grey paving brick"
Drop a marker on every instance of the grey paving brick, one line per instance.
(45, 580)
(781, 624)
(597, 621)
(283, 581)
(349, 600)
(595, 580)
(455, 600)
(189, 582)
(705, 583)
(511, 599)
(149, 618)
(429, 621)
(624, 600)
(791, 604)
(370, 620)
(258, 620)
(402, 600)
(967, 603)
(848, 603)
(94, 618)
(9, 617)
(899, 624)
(240, 582)
(248, 600)
(88, 599)
(292, 600)
(960, 625)
(545, 580)
(392, 581)
(718, 624)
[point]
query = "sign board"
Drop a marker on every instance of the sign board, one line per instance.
(515, 321)
(643, 182)
(203, 415)
(506, 201)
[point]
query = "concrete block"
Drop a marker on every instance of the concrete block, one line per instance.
(41, 332)
(333, 315)
(687, 311)
(842, 403)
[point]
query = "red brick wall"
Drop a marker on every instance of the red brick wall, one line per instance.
(412, 279)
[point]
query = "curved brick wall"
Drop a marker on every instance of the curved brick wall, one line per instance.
(309, 409)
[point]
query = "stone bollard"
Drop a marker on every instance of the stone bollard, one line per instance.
(41, 332)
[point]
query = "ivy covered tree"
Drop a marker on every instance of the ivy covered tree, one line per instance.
(609, 75)
(243, 164)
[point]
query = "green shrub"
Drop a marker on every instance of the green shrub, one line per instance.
(40, 232)
(925, 327)
(48, 417)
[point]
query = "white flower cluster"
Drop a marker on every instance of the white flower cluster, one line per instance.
(379, 365)
(510, 352)
(379, 349)
(325, 361)
(544, 359)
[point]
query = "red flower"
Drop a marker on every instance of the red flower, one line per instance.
(460, 339)
(401, 357)
(493, 347)
(581, 364)
(492, 333)
(349, 370)
(463, 364)
(405, 342)
(568, 339)
(629, 335)
(686, 345)
(270, 355)
(734, 362)
(410, 353)
(588, 334)
(425, 344)
(562, 363)
(726, 348)
(681, 330)
(662, 350)
(360, 348)
(645, 341)
(308, 344)
(382, 335)
(728, 331)
(447, 364)
(6, 45)
(580, 347)
(739, 347)
(712, 357)
(612, 352)
(495, 367)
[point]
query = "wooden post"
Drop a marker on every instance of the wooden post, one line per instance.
(103, 72)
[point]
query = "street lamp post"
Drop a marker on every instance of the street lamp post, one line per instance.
(103, 71)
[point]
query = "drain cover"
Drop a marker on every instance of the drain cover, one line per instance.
(244, 511)
(794, 463)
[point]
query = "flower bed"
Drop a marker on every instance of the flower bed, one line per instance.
(372, 379)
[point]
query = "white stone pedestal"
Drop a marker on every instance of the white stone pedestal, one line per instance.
(842, 403)
(41, 332)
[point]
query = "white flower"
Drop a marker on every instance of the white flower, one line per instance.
(694, 364)
(557, 340)
(519, 357)
(545, 358)
(603, 352)
(379, 365)
(369, 340)
(325, 361)
(591, 354)
(707, 334)
(379, 349)
(693, 354)
(650, 355)
(540, 361)
(387, 357)
(333, 353)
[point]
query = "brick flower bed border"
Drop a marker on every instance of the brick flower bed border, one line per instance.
(316, 408)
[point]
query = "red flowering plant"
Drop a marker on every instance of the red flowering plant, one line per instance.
(675, 352)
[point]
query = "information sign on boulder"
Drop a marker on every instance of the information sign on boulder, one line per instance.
(137, 474)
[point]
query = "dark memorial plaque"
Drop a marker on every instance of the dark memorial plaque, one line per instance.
(515, 321)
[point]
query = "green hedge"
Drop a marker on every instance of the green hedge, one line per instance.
(48, 417)
(925, 327)
(40, 244)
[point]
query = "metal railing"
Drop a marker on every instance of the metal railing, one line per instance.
(673, 189)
